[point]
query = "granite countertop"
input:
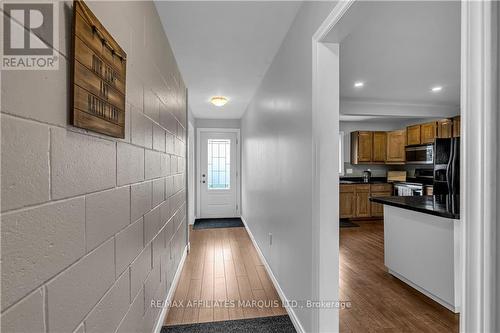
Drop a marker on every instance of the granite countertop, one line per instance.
(439, 205)
(359, 180)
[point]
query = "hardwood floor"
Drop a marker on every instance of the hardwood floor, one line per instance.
(379, 301)
(222, 269)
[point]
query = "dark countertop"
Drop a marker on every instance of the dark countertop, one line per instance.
(359, 180)
(439, 205)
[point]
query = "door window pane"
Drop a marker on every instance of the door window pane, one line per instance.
(219, 163)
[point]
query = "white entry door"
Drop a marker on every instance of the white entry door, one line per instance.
(218, 179)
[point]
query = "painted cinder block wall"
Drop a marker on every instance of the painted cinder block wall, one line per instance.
(93, 227)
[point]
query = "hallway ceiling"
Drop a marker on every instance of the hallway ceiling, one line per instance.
(400, 50)
(224, 48)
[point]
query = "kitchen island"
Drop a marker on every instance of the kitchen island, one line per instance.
(422, 244)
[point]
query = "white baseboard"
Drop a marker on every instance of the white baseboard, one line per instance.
(451, 307)
(171, 292)
(291, 313)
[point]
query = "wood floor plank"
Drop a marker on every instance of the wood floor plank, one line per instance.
(191, 311)
(206, 313)
(233, 293)
(220, 295)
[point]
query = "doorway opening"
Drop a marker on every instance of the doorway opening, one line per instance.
(475, 51)
(218, 173)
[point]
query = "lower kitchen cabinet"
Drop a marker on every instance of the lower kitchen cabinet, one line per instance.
(378, 209)
(355, 200)
(363, 201)
(347, 205)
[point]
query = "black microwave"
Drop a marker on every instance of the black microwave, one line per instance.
(422, 154)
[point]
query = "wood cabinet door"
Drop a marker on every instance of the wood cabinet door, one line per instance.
(347, 204)
(456, 127)
(378, 209)
(363, 208)
(379, 147)
(395, 152)
(365, 143)
(428, 132)
(445, 128)
(413, 135)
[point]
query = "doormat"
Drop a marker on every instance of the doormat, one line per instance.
(347, 224)
(218, 223)
(276, 324)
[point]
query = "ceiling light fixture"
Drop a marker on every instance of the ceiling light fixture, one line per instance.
(436, 89)
(218, 100)
(358, 84)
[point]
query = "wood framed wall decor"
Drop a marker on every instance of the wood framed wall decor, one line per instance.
(99, 67)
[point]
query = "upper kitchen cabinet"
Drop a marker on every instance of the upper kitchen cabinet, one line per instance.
(368, 147)
(456, 126)
(445, 128)
(361, 147)
(379, 147)
(413, 135)
(421, 134)
(395, 152)
(428, 132)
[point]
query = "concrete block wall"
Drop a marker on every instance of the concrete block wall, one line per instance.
(93, 228)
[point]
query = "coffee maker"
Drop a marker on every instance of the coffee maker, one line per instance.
(367, 174)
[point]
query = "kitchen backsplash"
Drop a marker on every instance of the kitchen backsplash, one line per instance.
(357, 170)
(378, 170)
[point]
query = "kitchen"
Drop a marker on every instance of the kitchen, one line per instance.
(422, 151)
(399, 167)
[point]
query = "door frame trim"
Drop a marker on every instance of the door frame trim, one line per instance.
(198, 165)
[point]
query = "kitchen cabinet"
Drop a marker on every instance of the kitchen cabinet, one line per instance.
(413, 135)
(445, 128)
(363, 201)
(355, 200)
(379, 147)
(456, 127)
(347, 205)
(379, 190)
(395, 151)
(368, 147)
(361, 147)
(428, 132)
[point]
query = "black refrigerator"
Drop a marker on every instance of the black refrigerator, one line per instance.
(447, 166)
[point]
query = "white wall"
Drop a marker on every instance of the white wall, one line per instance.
(277, 160)
(218, 123)
(93, 227)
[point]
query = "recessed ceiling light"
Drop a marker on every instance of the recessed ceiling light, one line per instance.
(358, 84)
(436, 89)
(218, 100)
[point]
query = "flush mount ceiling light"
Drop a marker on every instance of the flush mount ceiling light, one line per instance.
(436, 89)
(218, 100)
(358, 84)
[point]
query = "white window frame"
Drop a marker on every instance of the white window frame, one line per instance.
(341, 154)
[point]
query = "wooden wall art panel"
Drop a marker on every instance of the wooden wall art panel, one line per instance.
(99, 67)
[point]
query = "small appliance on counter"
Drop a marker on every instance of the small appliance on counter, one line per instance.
(367, 174)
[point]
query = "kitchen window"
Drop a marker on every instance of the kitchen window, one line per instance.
(341, 153)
